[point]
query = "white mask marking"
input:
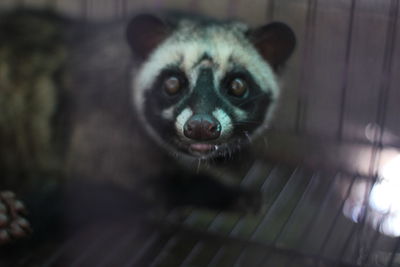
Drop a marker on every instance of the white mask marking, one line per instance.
(224, 120)
(182, 119)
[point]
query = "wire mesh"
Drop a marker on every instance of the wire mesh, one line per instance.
(290, 212)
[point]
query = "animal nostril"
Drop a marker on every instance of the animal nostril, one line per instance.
(202, 127)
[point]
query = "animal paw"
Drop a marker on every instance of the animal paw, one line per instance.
(12, 223)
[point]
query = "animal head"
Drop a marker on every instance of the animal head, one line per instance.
(206, 88)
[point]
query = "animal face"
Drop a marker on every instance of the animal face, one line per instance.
(205, 88)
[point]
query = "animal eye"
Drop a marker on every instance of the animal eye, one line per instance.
(238, 88)
(172, 85)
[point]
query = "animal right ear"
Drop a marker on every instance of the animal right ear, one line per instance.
(144, 33)
(275, 42)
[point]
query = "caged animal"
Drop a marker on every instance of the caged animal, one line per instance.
(161, 111)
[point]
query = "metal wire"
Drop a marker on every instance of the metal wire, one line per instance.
(393, 255)
(193, 5)
(387, 67)
(236, 228)
(282, 194)
(125, 10)
(382, 103)
(306, 65)
(317, 213)
(133, 261)
(346, 69)
(387, 74)
(117, 247)
(270, 10)
(94, 246)
(58, 253)
(232, 8)
(310, 186)
(333, 224)
(256, 232)
(170, 241)
(374, 241)
(85, 6)
(349, 238)
(247, 180)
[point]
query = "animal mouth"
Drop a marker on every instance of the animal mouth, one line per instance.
(210, 149)
(202, 149)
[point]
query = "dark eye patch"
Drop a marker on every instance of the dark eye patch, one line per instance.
(252, 89)
(255, 102)
(160, 91)
(157, 99)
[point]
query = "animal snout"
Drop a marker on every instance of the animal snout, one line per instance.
(202, 127)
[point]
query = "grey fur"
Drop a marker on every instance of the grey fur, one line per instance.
(89, 84)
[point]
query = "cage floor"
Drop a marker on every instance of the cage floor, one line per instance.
(300, 224)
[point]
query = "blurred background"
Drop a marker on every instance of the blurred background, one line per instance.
(332, 173)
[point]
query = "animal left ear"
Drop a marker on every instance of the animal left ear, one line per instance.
(275, 42)
(144, 33)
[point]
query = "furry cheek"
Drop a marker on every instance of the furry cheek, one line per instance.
(225, 121)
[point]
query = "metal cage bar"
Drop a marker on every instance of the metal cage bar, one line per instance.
(345, 81)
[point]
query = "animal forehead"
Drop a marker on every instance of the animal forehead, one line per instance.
(206, 63)
(224, 47)
(212, 45)
(186, 55)
(217, 41)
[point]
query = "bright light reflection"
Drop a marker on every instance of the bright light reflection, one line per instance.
(385, 197)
